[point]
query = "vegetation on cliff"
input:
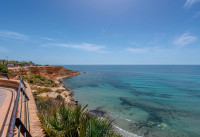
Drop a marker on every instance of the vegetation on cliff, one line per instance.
(58, 120)
(13, 63)
(42, 90)
(48, 72)
(3, 69)
(39, 80)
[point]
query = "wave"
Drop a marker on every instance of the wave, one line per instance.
(125, 133)
(128, 120)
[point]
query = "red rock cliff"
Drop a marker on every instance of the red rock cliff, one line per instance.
(49, 72)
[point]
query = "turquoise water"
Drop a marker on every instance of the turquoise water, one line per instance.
(151, 101)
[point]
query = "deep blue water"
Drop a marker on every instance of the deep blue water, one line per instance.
(152, 101)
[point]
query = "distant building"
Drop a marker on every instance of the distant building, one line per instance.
(10, 65)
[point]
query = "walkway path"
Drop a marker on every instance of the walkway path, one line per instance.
(3, 95)
(7, 97)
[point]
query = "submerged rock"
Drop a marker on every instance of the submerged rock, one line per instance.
(98, 112)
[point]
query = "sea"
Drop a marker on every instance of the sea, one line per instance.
(143, 100)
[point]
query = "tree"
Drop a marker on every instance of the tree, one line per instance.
(30, 63)
(3, 69)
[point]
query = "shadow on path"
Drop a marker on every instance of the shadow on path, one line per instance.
(5, 119)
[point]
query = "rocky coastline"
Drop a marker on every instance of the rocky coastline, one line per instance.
(53, 73)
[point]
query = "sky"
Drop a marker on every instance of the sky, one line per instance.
(96, 32)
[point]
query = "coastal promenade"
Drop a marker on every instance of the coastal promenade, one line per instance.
(7, 98)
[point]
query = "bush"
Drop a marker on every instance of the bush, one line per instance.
(42, 90)
(45, 105)
(59, 97)
(39, 80)
(18, 63)
(3, 69)
(65, 122)
(60, 90)
(61, 121)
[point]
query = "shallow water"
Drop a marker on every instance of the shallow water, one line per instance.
(152, 101)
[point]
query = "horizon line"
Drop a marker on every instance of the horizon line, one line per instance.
(128, 64)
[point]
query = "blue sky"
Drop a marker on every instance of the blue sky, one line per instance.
(101, 31)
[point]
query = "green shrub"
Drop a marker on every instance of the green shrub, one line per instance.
(42, 90)
(59, 97)
(65, 122)
(60, 90)
(3, 69)
(61, 121)
(46, 104)
(18, 63)
(39, 80)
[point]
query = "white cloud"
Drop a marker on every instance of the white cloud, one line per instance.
(137, 50)
(146, 49)
(13, 35)
(46, 38)
(19, 36)
(189, 3)
(84, 46)
(184, 39)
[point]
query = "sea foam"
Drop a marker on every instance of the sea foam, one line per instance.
(125, 133)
